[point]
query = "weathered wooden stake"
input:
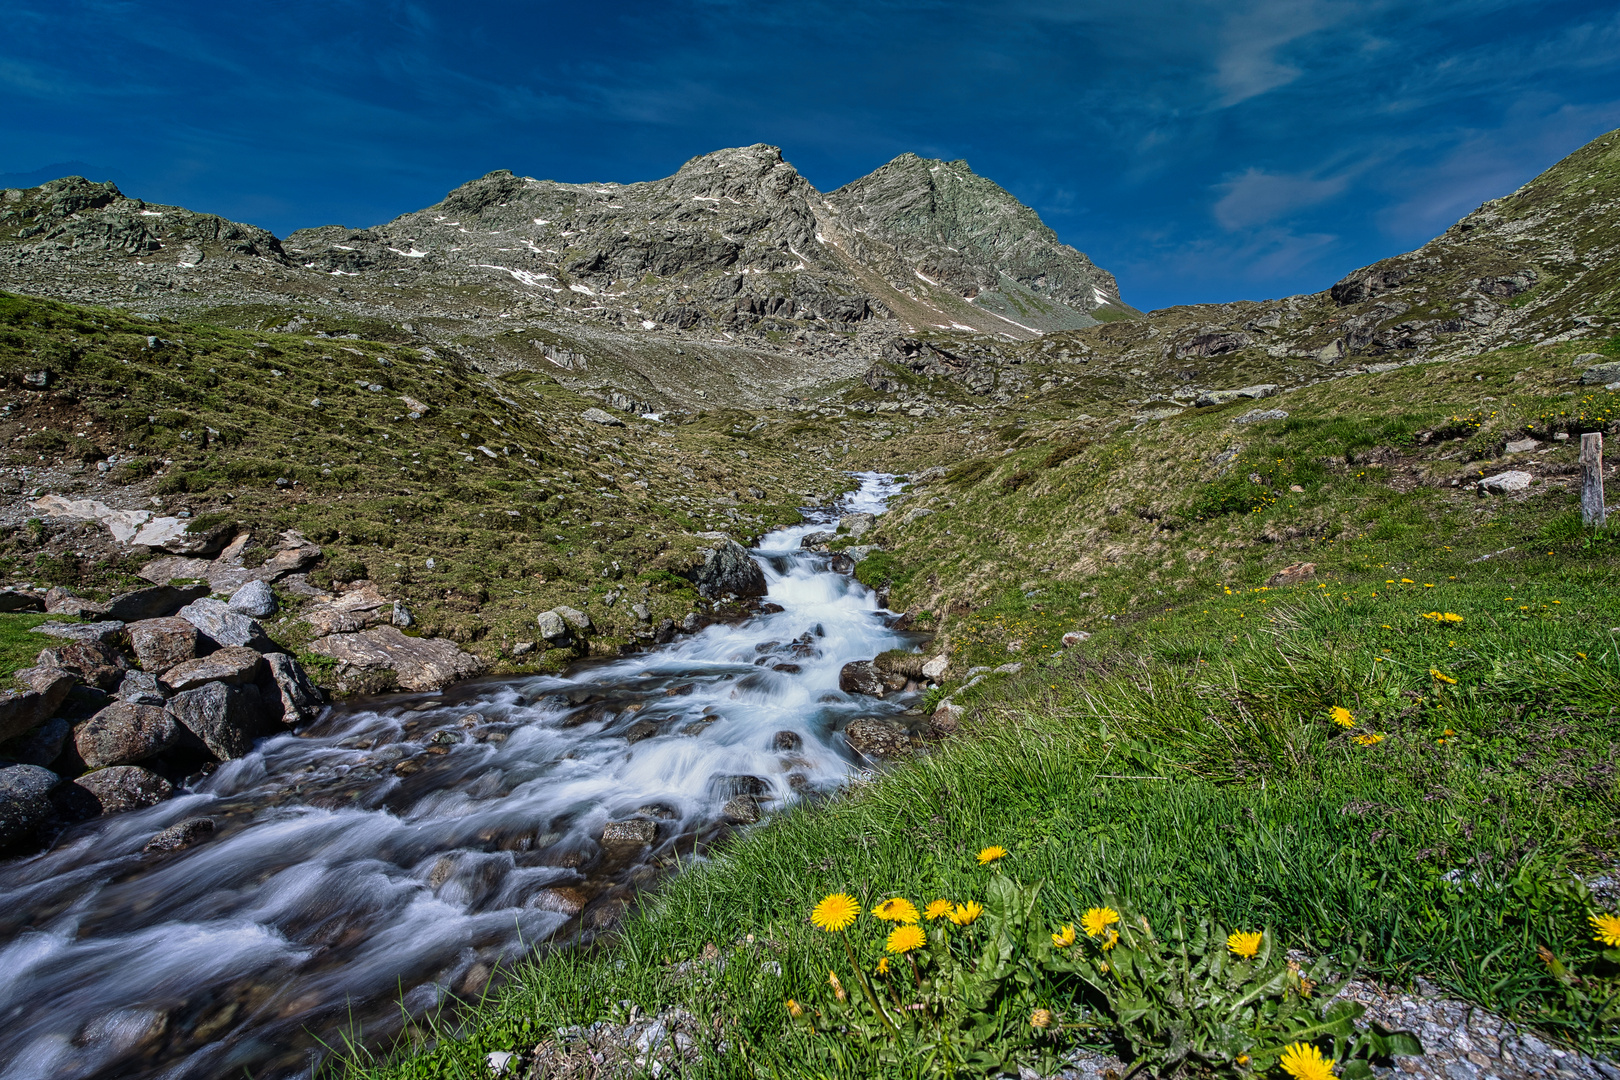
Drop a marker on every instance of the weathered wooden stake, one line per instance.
(1592, 512)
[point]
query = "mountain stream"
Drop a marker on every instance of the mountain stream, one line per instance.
(402, 847)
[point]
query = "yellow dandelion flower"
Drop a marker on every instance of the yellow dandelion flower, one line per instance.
(882, 966)
(905, 938)
(794, 1009)
(1452, 616)
(1406, 581)
(1243, 1059)
(938, 910)
(1040, 1018)
(1342, 716)
(1303, 1061)
(1372, 738)
(1607, 927)
(897, 909)
(835, 912)
(964, 914)
(1111, 940)
(991, 854)
(1098, 919)
(1244, 943)
(1065, 937)
(1441, 676)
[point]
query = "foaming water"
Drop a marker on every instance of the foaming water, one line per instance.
(407, 847)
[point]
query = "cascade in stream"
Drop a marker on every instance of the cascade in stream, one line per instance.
(411, 844)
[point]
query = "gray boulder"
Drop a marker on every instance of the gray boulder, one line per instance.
(552, 628)
(1501, 483)
(856, 525)
(22, 711)
(226, 718)
(861, 677)
(60, 601)
(226, 627)
(597, 416)
(872, 738)
(300, 700)
(16, 600)
(96, 631)
(631, 833)
(234, 665)
(43, 745)
(1601, 374)
(575, 618)
(255, 599)
(180, 835)
(727, 569)
(382, 658)
(25, 802)
(93, 662)
(124, 787)
(816, 539)
(160, 644)
(141, 688)
(154, 602)
(122, 734)
(1222, 397)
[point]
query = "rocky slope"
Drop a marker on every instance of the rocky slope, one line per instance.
(734, 279)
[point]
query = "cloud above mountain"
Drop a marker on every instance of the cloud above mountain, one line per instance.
(1202, 149)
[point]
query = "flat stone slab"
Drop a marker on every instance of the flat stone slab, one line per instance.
(415, 663)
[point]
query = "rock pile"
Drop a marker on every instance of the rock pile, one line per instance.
(122, 710)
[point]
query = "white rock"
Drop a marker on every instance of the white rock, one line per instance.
(1508, 481)
(934, 669)
(499, 1061)
(254, 599)
(1074, 637)
(1522, 446)
(123, 524)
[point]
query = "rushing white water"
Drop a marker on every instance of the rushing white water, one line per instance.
(405, 848)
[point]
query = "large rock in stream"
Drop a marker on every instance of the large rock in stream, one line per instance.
(24, 801)
(727, 568)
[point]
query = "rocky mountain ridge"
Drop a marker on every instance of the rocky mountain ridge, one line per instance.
(602, 283)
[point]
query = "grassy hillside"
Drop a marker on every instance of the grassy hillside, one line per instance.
(1186, 758)
(388, 457)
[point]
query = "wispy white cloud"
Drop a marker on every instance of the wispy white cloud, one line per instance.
(1257, 196)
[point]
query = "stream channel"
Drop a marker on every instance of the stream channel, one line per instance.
(401, 848)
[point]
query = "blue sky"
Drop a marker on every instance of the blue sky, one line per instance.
(1201, 150)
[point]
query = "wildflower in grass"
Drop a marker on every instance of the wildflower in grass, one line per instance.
(964, 914)
(1064, 938)
(1407, 581)
(1372, 738)
(882, 966)
(838, 987)
(1110, 939)
(1607, 927)
(835, 912)
(897, 909)
(1342, 716)
(991, 854)
(1041, 1019)
(937, 910)
(1098, 919)
(1244, 943)
(794, 1009)
(1441, 676)
(905, 938)
(1303, 1061)
(1452, 616)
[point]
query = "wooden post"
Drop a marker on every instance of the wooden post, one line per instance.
(1592, 511)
